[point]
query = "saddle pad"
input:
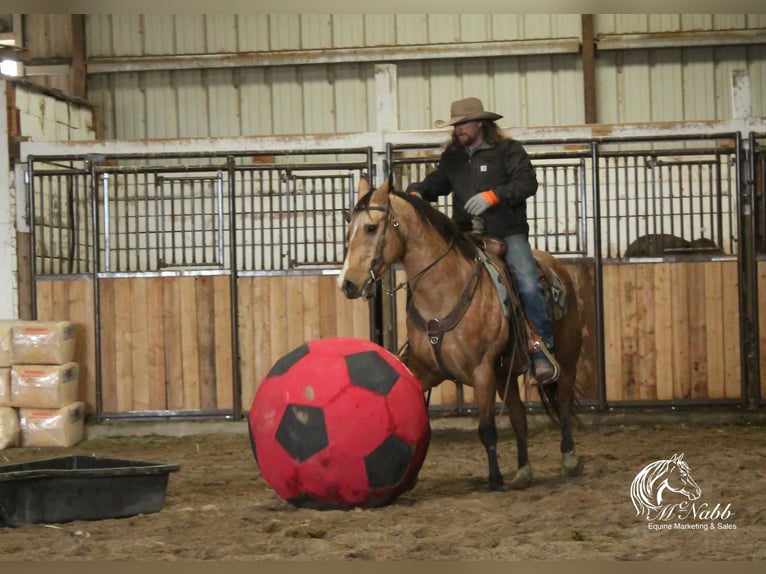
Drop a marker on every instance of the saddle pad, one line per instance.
(502, 291)
(554, 289)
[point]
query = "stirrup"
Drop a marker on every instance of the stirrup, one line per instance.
(554, 363)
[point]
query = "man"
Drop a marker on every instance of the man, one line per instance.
(491, 177)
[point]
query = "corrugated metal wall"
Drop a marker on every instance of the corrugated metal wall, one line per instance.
(531, 89)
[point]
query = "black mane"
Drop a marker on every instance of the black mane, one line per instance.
(447, 228)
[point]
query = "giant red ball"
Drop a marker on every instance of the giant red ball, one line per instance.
(339, 423)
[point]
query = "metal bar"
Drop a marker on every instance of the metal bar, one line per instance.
(598, 277)
(107, 245)
(219, 218)
(357, 54)
(96, 288)
(32, 237)
(684, 39)
(750, 339)
(236, 377)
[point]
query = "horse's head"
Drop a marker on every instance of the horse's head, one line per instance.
(678, 478)
(374, 242)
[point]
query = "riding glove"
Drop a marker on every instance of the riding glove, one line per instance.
(481, 202)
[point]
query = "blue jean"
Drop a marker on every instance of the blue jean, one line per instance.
(521, 261)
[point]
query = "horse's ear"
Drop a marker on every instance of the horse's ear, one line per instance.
(364, 187)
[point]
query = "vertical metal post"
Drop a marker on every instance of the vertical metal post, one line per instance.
(234, 301)
(748, 276)
(598, 279)
(32, 240)
(96, 268)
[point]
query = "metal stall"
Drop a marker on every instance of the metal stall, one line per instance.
(651, 229)
(190, 275)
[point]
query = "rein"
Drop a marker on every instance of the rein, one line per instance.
(394, 222)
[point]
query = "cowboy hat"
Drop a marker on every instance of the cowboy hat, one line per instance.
(467, 110)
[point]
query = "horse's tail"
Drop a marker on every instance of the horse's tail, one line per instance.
(549, 400)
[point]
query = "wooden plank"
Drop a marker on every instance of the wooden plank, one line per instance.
(679, 312)
(280, 345)
(731, 344)
(189, 342)
(714, 330)
(698, 378)
(345, 313)
(174, 358)
(294, 312)
(206, 321)
(328, 293)
(224, 359)
(81, 312)
(263, 347)
(155, 336)
(140, 336)
(124, 339)
(44, 300)
(310, 308)
(663, 334)
(645, 365)
(108, 330)
(762, 323)
(612, 296)
(249, 329)
(361, 321)
(628, 320)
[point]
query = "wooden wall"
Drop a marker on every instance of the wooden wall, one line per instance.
(166, 342)
(671, 333)
(762, 322)
(279, 313)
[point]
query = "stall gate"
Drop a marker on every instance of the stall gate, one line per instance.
(190, 275)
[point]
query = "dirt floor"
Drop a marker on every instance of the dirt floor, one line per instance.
(219, 508)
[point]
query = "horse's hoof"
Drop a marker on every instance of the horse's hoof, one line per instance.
(522, 479)
(571, 464)
(497, 486)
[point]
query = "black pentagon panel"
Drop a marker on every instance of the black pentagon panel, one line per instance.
(370, 371)
(314, 503)
(252, 440)
(387, 464)
(283, 365)
(302, 432)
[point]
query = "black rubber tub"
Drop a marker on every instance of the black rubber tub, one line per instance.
(80, 488)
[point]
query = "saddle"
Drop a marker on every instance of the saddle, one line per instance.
(553, 288)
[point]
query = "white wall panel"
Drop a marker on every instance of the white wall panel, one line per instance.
(253, 32)
(637, 85)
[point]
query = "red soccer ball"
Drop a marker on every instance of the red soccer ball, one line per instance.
(339, 423)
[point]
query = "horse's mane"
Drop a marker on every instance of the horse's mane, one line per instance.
(434, 218)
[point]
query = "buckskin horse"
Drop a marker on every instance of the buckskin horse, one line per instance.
(457, 325)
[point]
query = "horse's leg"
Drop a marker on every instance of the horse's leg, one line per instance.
(518, 416)
(484, 394)
(571, 464)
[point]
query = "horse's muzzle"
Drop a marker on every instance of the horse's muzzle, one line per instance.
(352, 291)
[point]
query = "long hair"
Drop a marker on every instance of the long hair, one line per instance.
(490, 133)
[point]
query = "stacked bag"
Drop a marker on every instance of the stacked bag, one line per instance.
(39, 385)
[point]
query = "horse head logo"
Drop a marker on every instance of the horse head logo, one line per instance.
(659, 479)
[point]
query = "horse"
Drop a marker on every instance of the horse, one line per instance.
(467, 336)
(656, 479)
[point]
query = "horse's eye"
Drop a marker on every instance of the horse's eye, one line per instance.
(371, 228)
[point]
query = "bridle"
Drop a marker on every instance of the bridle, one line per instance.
(392, 220)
